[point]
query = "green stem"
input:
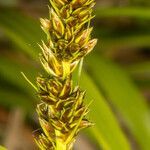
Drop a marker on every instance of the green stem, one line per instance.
(60, 145)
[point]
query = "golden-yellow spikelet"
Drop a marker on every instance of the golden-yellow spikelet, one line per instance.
(62, 113)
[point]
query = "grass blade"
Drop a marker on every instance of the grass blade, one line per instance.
(106, 129)
(124, 96)
(134, 12)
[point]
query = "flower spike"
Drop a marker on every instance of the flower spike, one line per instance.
(62, 112)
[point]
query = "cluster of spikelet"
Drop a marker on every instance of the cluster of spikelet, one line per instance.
(62, 111)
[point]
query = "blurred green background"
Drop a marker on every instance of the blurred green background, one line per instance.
(116, 75)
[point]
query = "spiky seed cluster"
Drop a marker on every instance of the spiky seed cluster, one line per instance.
(62, 112)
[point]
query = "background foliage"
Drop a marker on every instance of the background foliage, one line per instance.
(116, 74)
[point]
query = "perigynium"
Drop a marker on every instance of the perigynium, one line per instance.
(62, 113)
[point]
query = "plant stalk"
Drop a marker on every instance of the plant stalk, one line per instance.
(60, 145)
